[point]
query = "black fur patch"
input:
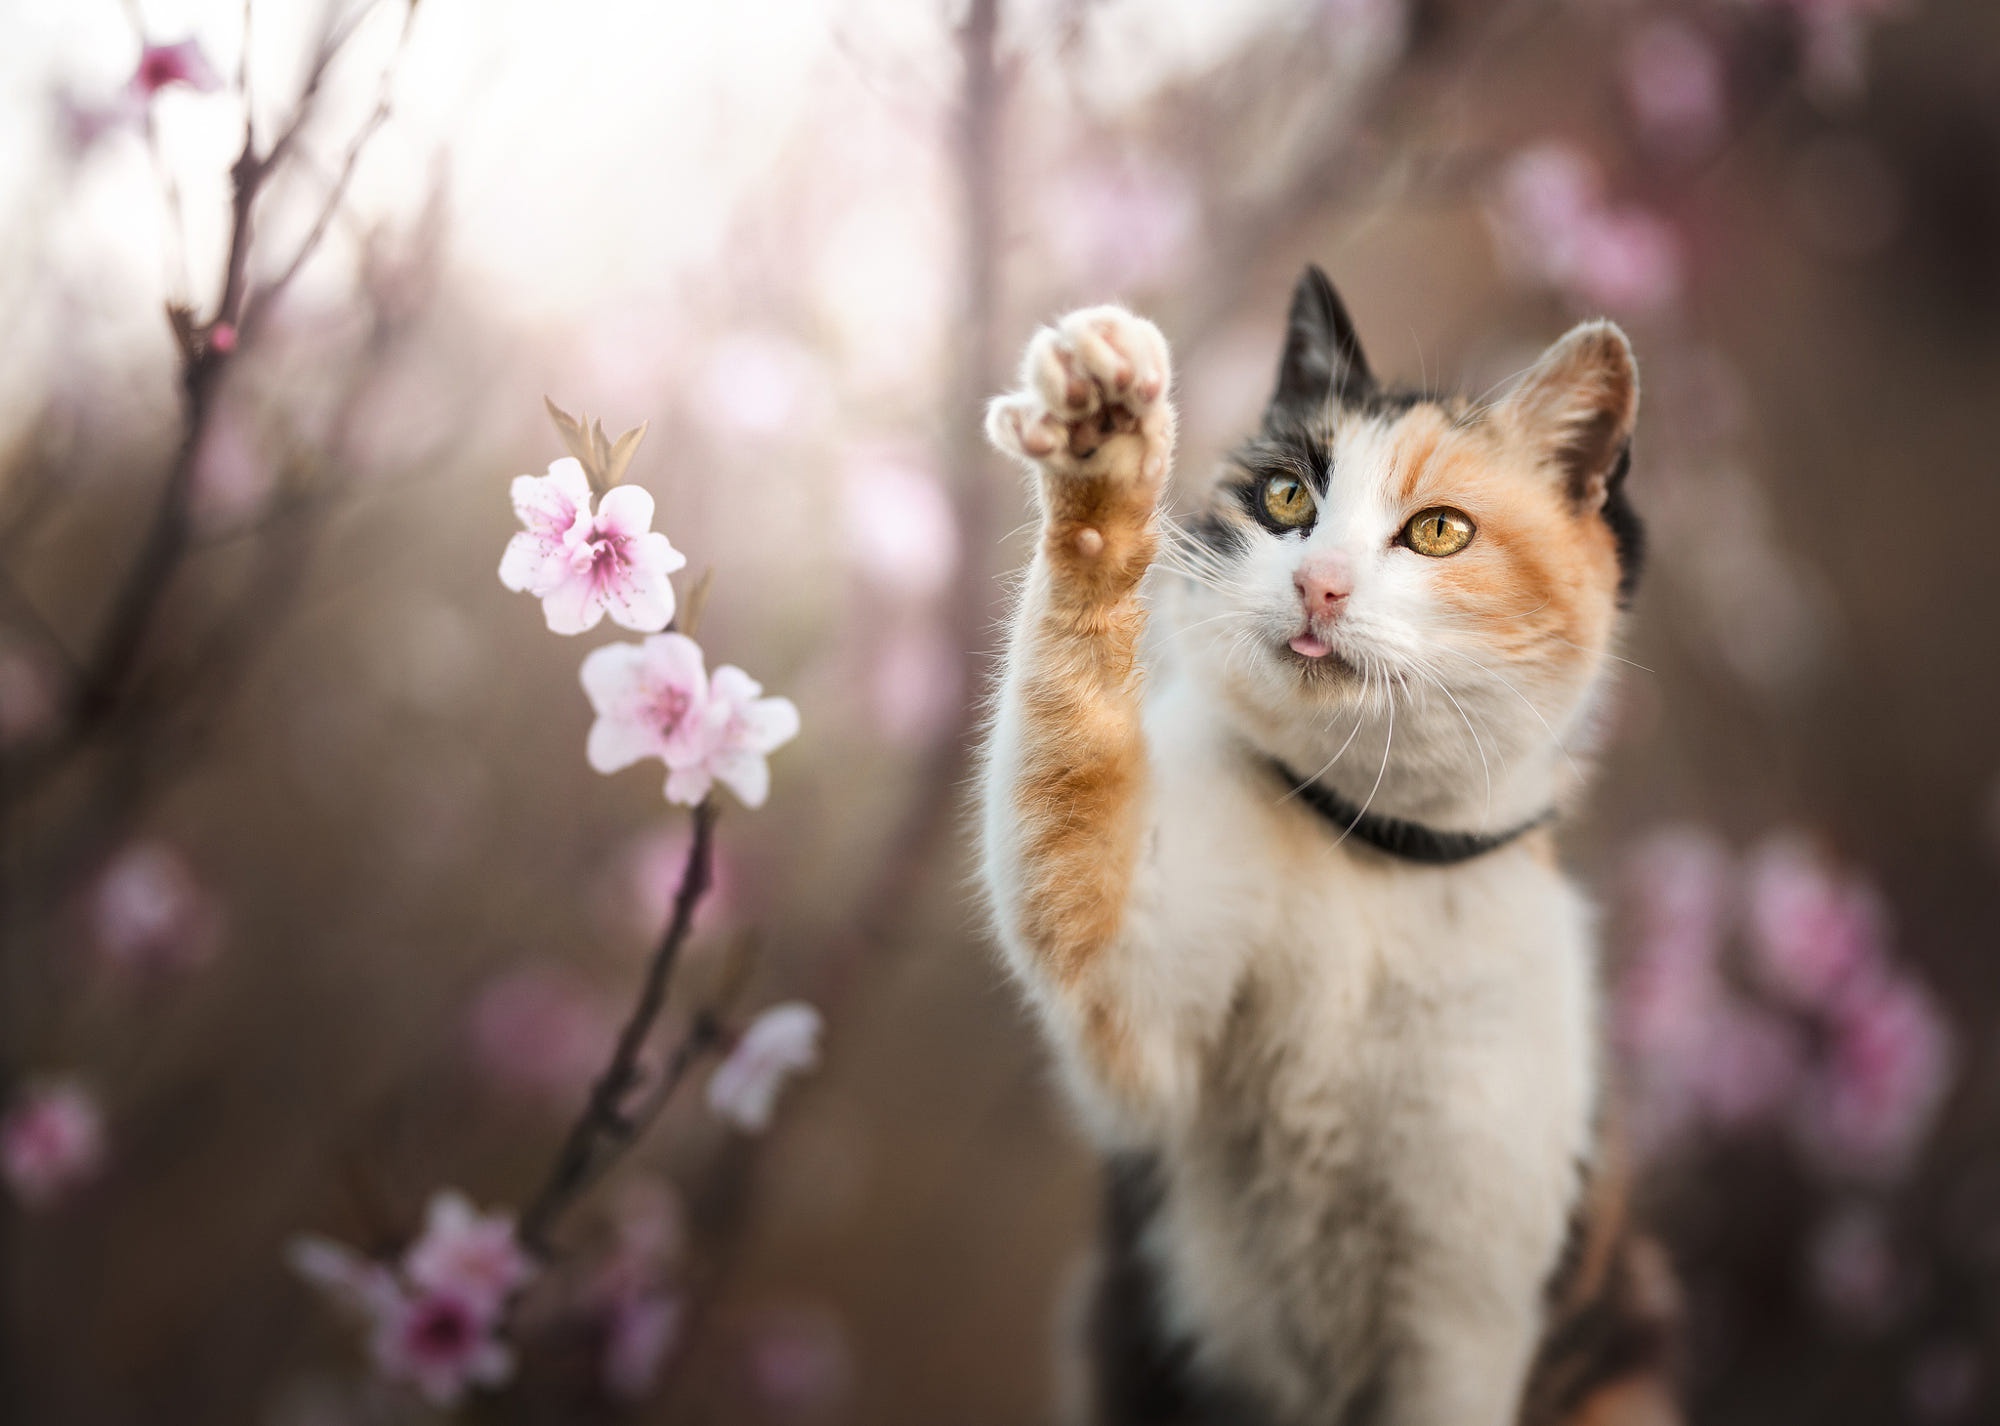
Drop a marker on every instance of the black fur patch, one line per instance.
(1626, 528)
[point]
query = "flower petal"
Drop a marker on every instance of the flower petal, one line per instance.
(625, 510)
(614, 678)
(533, 564)
(688, 785)
(573, 607)
(770, 723)
(616, 743)
(638, 599)
(744, 773)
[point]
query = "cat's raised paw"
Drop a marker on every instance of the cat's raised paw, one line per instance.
(1094, 378)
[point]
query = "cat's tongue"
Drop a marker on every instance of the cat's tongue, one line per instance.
(1311, 645)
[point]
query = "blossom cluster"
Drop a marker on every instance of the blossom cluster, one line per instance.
(1818, 1029)
(1555, 227)
(654, 699)
(434, 1317)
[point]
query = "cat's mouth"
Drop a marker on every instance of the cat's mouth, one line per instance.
(1316, 657)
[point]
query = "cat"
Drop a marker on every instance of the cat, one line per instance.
(1267, 842)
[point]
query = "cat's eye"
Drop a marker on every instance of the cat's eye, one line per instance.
(1438, 532)
(1288, 502)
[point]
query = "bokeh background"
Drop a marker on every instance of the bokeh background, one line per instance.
(324, 910)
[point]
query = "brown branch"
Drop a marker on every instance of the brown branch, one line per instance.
(604, 1129)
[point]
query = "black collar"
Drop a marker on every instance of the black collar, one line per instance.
(1412, 841)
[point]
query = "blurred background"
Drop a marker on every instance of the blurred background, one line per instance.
(310, 905)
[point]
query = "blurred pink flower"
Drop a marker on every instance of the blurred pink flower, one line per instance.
(435, 1326)
(441, 1344)
(583, 566)
(759, 384)
(918, 681)
(641, 1329)
(1552, 227)
(162, 66)
(799, 1359)
(149, 913)
(1852, 1266)
(1747, 1067)
(639, 896)
(1678, 883)
(902, 533)
(1810, 930)
(540, 1032)
(233, 478)
(82, 122)
(467, 1255)
(27, 696)
(781, 1042)
(1120, 225)
(651, 701)
(51, 1141)
(1674, 81)
(222, 338)
(1888, 1065)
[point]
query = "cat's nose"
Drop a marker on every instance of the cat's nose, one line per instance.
(1324, 582)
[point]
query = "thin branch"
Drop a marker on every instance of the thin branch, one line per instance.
(604, 1128)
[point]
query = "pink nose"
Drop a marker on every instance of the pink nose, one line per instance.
(1324, 582)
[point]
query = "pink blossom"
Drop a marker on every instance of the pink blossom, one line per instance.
(222, 338)
(582, 566)
(51, 1141)
(150, 914)
(641, 1329)
(540, 1032)
(651, 701)
(82, 122)
(27, 696)
(744, 728)
(1674, 81)
(1553, 227)
(162, 66)
(441, 1344)
(470, 1256)
(781, 1042)
(1887, 1068)
(435, 1325)
(901, 531)
(233, 478)
(1747, 1067)
(1810, 930)
(1123, 225)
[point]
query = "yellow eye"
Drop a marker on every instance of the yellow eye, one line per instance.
(1438, 532)
(1288, 502)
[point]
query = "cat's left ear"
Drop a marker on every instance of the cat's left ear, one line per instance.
(1575, 408)
(1322, 360)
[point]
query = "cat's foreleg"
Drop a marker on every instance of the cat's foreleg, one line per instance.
(1066, 778)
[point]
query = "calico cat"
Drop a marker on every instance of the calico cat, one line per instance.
(1268, 844)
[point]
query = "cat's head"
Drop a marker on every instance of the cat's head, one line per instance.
(1418, 594)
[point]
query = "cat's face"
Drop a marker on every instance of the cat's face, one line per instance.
(1419, 594)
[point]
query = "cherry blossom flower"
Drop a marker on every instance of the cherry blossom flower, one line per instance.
(149, 914)
(1674, 82)
(467, 1255)
(1810, 930)
(744, 728)
(583, 566)
(1887, 1069)
(163, 66)
(652, 700)
(1553, 227)
(540, 1033)
(51, 1141)
(780, 1043)
(433, 1325)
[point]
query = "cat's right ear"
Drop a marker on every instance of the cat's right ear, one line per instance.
(1322, 358)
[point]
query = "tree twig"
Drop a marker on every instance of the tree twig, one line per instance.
(604, 1128)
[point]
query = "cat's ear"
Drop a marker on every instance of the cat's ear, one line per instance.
(1322, 354)
(1575, 408)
